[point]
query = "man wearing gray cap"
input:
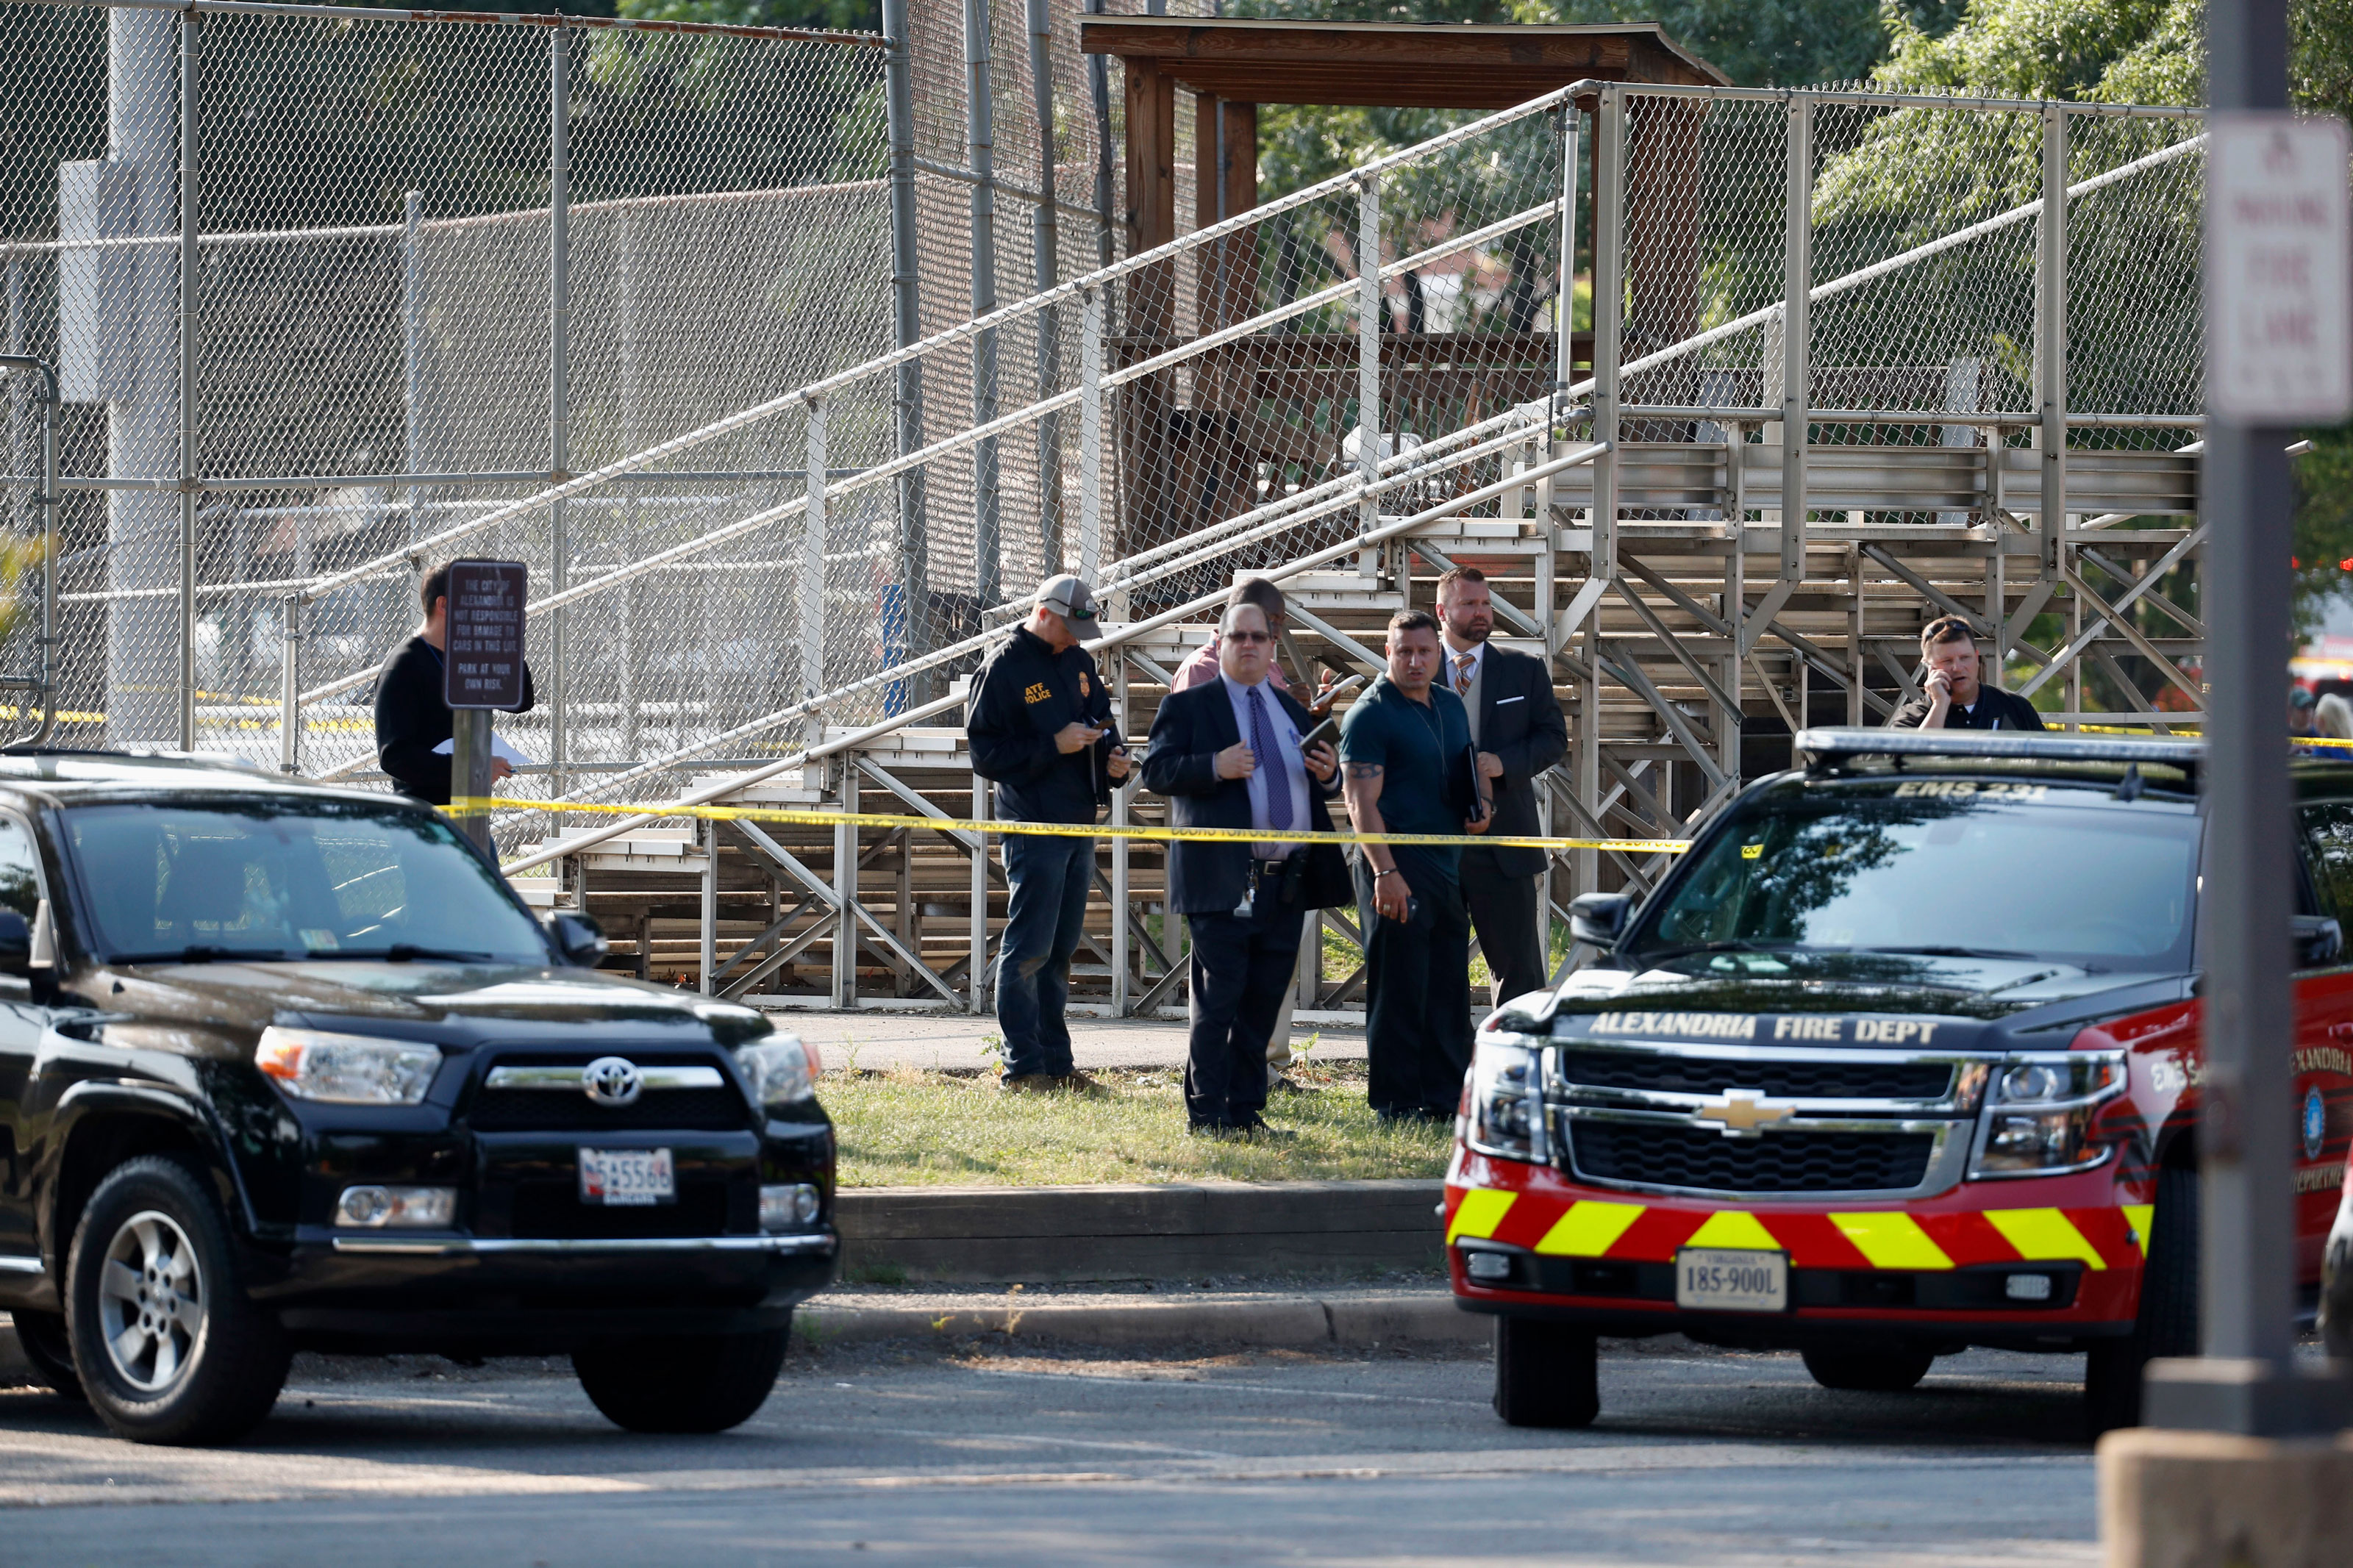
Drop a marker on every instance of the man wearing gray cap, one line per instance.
(1040, 726)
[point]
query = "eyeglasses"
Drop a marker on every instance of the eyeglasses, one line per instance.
(1248, 636)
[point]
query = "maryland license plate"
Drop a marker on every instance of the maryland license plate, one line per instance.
(1723, 1280)
(626, 1178)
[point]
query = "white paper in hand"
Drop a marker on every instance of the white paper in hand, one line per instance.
(499, 749)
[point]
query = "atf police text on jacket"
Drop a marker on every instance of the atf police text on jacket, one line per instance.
(1022, 697)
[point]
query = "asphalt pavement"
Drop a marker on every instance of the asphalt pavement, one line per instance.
(994, 1453)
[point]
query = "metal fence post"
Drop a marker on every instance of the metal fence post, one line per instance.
(559, 411)
(980, 156)
(1047, 248)
(1565, 300)
(1099, 89)
(1609, 328)
(2051, 347)
(189, 49)
(1121, 992)
(412, 349)
(907, 381)
(845, 888)
(813, 538)
(290, 684)
(1796, 375)
(976, 966)
(706, 925)
(1368, 358)
(1091, 433)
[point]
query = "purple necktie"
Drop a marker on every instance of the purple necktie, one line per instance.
(1269, 757)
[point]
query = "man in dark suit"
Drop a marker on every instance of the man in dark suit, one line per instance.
(1229, 753)
(1518, 731)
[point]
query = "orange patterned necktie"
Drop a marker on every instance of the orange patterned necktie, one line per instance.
(1464, 664)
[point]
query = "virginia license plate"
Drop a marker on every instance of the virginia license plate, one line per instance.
(626, 1178)
(1723, 1280)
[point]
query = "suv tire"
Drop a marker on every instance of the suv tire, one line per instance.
(1869, 1372)
(682, 1382)
(153, 1266)
(1546, 1375)
(42, 1336)
(2167, 1321)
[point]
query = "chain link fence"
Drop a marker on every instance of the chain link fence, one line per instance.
(1948, 303)
(431, 265)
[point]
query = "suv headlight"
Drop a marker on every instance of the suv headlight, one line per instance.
(347, 1069)
(2039, 1111)
(1506, 1103)
(780, 1069)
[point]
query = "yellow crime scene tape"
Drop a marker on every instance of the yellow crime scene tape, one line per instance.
(478, 805)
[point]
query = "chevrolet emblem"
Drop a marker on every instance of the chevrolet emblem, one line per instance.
(1740, 1112)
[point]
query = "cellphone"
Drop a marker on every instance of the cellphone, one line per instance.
(1327, 730)
(1341, 687)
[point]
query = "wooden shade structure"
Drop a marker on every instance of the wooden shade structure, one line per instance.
(1188, 467)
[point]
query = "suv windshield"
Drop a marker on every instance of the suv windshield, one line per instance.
(276, 878)
(1952, 867)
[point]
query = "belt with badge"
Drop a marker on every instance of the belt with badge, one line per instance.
(1280, 879)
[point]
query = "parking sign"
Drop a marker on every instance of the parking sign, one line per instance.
(2279, 332)
(482, 666)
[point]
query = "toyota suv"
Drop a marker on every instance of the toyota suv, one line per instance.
(1901, 1058)
(285, 1065)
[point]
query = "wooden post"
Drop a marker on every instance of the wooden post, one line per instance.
(1146, 514)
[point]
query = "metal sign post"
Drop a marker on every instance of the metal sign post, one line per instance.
(2277, 357)
(481, 670)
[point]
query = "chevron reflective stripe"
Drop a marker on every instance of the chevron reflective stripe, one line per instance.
(2112, 1237)
(1734, 1228)
(1478, 1215)
(2044, 1235)
(1890, 1240)
(1589, 1229)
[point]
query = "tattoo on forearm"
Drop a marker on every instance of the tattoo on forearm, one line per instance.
(1363, 769)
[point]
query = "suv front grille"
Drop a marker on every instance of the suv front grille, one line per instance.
(553, 1110)
(563, 1107)
(1649, 1073)
(1664, 1154)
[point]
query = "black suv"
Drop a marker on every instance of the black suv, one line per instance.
(284, 1066)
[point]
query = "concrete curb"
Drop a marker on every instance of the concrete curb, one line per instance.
(1176, 1230)
(1297, 1322)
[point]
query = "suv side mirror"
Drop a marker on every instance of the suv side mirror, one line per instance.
(579, 939)
(16, 944)
(1598, 920)
(2319, 941)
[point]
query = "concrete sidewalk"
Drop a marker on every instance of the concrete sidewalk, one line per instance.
(957, 1042)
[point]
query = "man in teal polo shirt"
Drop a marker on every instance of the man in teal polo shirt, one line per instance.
(1408, 767)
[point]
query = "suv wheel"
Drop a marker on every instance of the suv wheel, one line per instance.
(170, 1349)
(43, 1337)
(682, 1382)
(2167, 1321)
(1546, 1375)
(1869, 1372)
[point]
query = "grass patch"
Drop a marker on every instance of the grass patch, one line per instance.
(905, 1128)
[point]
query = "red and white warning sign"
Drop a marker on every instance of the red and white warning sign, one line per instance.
(2279, 277)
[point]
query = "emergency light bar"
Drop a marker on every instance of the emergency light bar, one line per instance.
(1822, 745)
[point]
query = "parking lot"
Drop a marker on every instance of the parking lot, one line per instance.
(988, 1455)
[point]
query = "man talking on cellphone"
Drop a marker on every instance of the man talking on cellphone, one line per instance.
(1408, 767)
(1957, 699)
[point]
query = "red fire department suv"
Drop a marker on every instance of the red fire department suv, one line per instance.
(1902, 1058)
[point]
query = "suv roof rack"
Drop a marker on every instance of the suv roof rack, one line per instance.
(1822, 745)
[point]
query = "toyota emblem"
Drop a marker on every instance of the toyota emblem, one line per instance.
(612, 1081)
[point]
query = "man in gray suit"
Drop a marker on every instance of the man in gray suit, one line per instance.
(1518, 731)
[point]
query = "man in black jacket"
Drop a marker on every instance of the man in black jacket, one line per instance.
(1229, 753)
(1518, 731)
(411, 718)
(1957, 699)
(1039, 724)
